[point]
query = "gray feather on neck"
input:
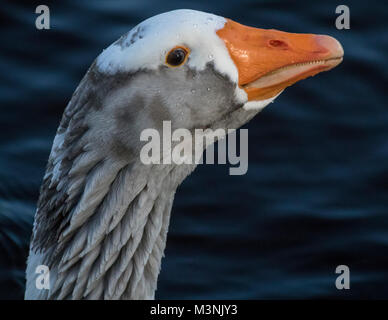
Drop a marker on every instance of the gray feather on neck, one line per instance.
(102, 219)
(103, 216)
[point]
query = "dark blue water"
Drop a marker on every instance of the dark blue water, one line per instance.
(316, 192)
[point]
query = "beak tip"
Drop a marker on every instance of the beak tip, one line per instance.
(331, 45)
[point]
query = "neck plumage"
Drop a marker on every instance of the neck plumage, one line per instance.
(112, 246)
(102, 217)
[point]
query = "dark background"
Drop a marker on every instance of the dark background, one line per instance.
(316, 192)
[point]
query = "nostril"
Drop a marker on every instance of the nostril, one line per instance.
(278, 44)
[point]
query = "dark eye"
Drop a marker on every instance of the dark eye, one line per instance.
(176, 57)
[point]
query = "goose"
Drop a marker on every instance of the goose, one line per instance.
(102, 216)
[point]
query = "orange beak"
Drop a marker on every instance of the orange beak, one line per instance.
(268, 61)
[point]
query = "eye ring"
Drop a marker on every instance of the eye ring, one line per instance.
(177, 56)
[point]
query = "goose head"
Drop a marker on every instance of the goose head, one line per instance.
(102, 217)
(199, 68)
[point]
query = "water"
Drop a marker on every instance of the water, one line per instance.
(316, 192)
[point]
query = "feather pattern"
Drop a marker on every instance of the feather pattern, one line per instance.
(112, 216)
(102, 216)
